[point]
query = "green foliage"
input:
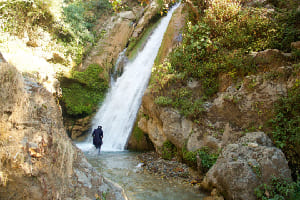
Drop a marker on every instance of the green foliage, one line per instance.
(83, 92)
(190, 157)
(116, 5)
(69, 23)
(163, 101)
(222, 38)
(208, 159)
(287, 29)
(218, 42)
(183, 100)
(286, 127)
(191, 109)
(24, 15)
(80, 18)
(168, 150)
(75, 16)
(278, 189)
(90, 77)
(161, 75)
(138, 133)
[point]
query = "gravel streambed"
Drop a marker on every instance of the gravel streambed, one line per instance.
(172, 170)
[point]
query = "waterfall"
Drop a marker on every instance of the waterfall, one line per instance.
(118, 112)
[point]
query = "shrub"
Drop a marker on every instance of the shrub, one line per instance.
(79, 19)
(163, 101)
(25, 15)
(208, 159)
(69, 23)
(286, 127)
(168, 150)
(278, 189)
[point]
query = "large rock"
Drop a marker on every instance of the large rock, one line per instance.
(175, 127)
(78, 127)
(245, 165)
(295, 45)
(251, 102)
(38, 159)
(151, 10)
(151, 125)
(127, 15)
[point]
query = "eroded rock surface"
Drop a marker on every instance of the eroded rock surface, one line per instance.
(38, 159)
(244, 165)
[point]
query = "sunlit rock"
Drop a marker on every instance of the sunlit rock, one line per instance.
(243, 166)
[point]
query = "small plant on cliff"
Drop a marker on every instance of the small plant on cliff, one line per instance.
(168, 150)
(138, 133)
(208, 159)
(278, 189)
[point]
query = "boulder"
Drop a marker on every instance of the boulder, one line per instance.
(127, 15)
(243, 166)
(175, 127)
(268, 56)
(295, 45)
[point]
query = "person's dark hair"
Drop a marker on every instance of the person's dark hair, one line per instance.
(99, 126)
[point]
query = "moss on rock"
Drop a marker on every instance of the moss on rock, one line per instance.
(82, 93)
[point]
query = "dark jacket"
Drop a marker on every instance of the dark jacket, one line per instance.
(97, 137)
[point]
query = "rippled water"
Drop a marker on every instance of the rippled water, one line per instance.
(123, 168)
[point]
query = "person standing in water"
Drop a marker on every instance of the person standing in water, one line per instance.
(97, 137)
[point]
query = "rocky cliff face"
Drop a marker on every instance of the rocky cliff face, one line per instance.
(38, 160)
(236, 107)
(246, 159)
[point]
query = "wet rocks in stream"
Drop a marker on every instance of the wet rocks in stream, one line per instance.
(167, 169)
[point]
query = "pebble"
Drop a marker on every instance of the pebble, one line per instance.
(167, 169)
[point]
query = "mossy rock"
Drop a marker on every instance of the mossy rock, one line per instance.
(83, 91)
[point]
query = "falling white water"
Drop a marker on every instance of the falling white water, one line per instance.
(119, 109)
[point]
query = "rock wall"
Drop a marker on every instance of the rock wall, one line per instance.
(238, 106)
(242, 103)
(38, 160)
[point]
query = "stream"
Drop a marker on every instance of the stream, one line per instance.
(124, 169)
